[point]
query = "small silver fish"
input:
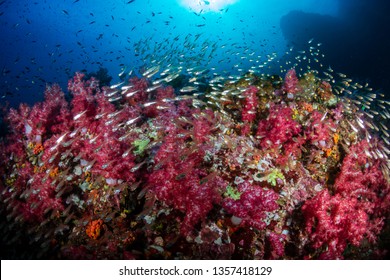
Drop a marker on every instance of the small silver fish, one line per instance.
(147, 104)
(188, 89)
(131, 93)
(131, 121)
(79, 115)
(151, 71)
(152, 88)
(116, 85)
(137, 166)
(123, 71)
(113, 99)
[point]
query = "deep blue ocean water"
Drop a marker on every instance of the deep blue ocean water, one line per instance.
(46, 41)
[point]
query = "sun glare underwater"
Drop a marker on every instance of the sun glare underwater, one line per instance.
(194, 130)
(206, 6)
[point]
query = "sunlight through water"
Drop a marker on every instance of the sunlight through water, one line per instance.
(207, 5)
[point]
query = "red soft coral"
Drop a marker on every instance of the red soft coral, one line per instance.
(278, 128)
(253, 205)
(180, 186)
(320, 130)
(42, 120)
(180, 181)
(291, 82)
(334, 222)
(355, 211)
(251, 103)
(276, 244)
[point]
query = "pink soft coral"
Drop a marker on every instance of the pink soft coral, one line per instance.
(291, 82)
(355, 211)
(321, 130)
(279, 127)
(249, 109)
(334, 221)
(253, 204)
(179, 183)
(180, 180)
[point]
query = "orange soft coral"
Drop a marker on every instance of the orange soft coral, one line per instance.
(94, 229)
(37, 149)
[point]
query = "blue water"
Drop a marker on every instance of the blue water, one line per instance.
(47, 41)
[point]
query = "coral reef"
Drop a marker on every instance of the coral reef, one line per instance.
(259, 169)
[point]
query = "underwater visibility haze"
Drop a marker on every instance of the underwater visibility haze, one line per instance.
(179, 129)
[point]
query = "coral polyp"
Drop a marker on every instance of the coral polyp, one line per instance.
(251, 166)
